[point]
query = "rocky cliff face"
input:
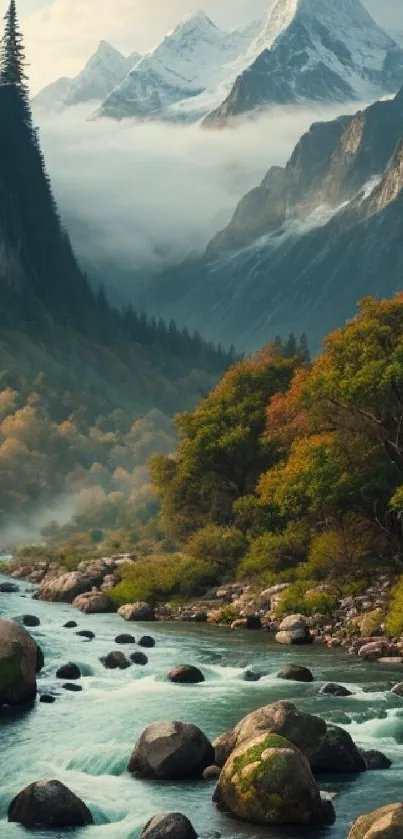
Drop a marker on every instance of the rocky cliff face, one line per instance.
(306, 244)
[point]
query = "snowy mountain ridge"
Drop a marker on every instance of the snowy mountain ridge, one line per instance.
(102, 72)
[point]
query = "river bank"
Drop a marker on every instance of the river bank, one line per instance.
(355, 622)
(85, 739)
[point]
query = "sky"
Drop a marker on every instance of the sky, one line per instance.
(62, 34)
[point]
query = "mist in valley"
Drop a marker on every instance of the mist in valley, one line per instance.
(138, 197)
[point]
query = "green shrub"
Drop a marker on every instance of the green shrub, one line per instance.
(302, 598)
(394, 617)
(228, 615)
(158, 578)
(276, 552)
(222, 546)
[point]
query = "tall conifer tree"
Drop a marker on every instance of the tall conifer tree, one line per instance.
(13, 63)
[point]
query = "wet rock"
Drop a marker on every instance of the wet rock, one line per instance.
(294, 630)
(93, 603)
(70, 625)
(169, 826)
(223, 746)
(373, 650)
(65, 587)
(280, 785)
(115, 661)
(86, 633)
(375, 760)
(139, 658)
(40, 659)
(18, 664)
(295, 673)
(172, 750)
(8, 588)
(69, 671)
(212, 772)
(332, 689)
(28, 620)
(47, 698)
(186, 674)
(147, 641)
(49, 804)
(72, 687)
(338, 753)
(385, 823)
(251, 676)
(398, 689)
(137, 612)
(125, 639)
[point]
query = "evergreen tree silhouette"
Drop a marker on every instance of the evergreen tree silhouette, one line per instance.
(13, 63)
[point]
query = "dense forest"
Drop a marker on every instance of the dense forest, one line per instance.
(86, 391)
(288, 470)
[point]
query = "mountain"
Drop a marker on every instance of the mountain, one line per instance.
(306, 244)
(184, 76)
(314, 50)
(104, 70)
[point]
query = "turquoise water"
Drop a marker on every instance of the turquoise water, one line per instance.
(85, 740)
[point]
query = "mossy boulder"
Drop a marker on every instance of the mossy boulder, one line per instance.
(305, 731)
(18, 664)
(385, 823)
(268, 781)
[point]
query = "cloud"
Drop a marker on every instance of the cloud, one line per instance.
(139, 196)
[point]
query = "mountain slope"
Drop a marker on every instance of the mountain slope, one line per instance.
(104, 70)
(303, 247)
(314, 50)
(178, 77)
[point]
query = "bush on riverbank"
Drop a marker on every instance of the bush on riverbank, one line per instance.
(394, 619)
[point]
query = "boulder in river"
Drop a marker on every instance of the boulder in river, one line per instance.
(8, 588)
(49, 804)
(169, 826)
(47, 698)
(268, 781)
(385, 823)
(305, 731)
(295, 673)
(294, 630)
(332, 689)
(93, 603)
(137, 612)
(147, 641)
(212, 772)
(86, 633)
(338, 753)
(125, 639)
(139, 658)
(18, 664)
(375, 760)
(171, 751)
(70, 625)
(251, 676)
(115, 661)
(186, 674)
(72, 687)
(398, 689)
(69, 671)
(28, 620)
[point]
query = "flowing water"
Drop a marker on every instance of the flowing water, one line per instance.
(85, 739)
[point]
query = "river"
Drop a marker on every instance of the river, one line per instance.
(85, 739)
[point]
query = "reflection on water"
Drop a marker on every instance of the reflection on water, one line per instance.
(85, 739)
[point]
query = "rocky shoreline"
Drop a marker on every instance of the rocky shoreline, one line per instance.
(356, 624)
